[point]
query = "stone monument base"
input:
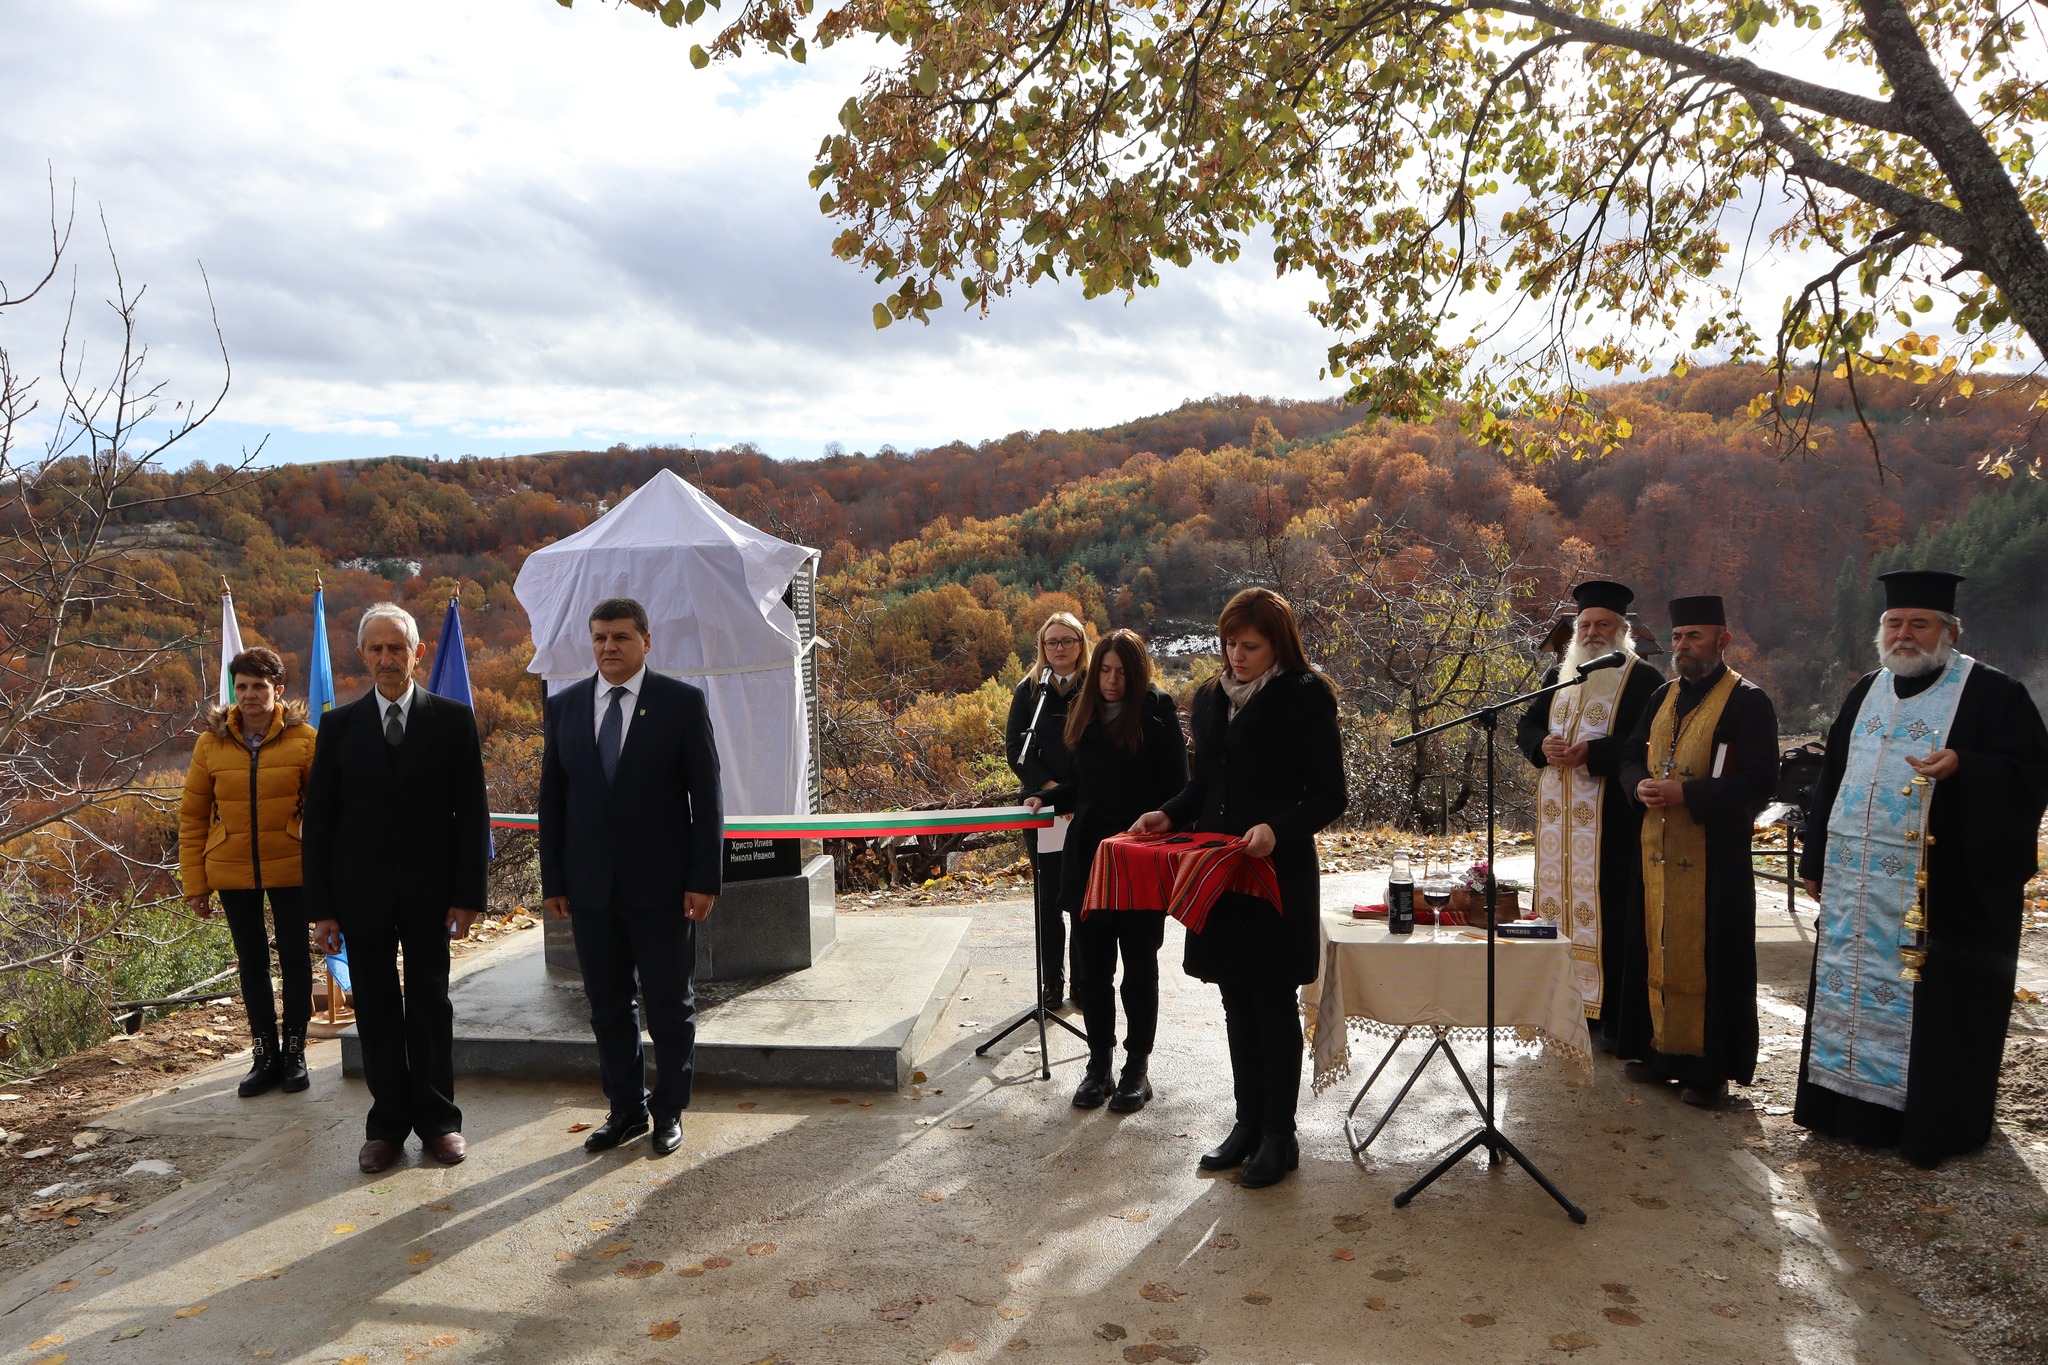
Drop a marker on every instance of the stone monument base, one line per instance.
(770, 924)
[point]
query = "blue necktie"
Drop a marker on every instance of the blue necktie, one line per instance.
(609, 734)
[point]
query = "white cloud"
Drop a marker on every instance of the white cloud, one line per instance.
(484, 227)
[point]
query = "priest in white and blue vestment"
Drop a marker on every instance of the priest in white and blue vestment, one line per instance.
(1891, 1061)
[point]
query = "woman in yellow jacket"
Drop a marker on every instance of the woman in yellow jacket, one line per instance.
(238, 834)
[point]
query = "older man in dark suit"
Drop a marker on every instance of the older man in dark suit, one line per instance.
(397, 834)
(630, 854)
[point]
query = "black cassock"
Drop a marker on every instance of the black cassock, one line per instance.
(1623, 1029)
(1727, 805)
(1984, 821)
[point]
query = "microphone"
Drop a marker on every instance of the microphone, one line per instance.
(1614, 660)
(1045, 676)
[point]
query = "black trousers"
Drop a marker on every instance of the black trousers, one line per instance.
(656, 950)
(244, 911)
(1098, 939)
(407, 1028)
(1263, 1022)
(1052, 931)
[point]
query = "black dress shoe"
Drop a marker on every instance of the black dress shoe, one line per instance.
(1094, 1087)
(613, 1131)
(668, 1135)
(1644, 1074)
(1704, 1097)
(1242, 1142)
(1133, 1088)
(1278, 1154)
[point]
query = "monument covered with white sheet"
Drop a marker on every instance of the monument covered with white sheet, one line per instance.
(729, 610)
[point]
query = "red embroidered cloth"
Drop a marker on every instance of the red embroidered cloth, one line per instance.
(1182, 874)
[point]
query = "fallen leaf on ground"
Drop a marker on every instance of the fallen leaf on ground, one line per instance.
(1223, 1241)
(918, 1078)
(1110, 1331)
(1343, 1254)
(1622, 1317)
(1572, 1341)
(566, 1256)
(1376, 1304)
(640, 1270)
(1132, 1215)
(761, 1249)
(1159, 1293)
(579, 1127)
(901, 1310)
(194, 1311)
(1258, 1297)
(612, 1249)
(963, 1346)
(419, 1258)
(1014, 1267)
(666, 1331)
(63, 1286)
(841, 1099)
(44, 1343)
(1009, 1312)
(1619, 1293)
(1478, 1319)
(598, 1224)
(692, 1270)
(717, 1262)
(440, 1208)
(1726, 1310)
(1648, 1201)
(443, 1340)
(961, 1125)
(2018, 1240)
(1392, 1275)
(1352, 1222)
(867, 1104)
(932, 1197)
(1163, 1334)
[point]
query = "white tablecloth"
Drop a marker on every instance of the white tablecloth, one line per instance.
(1437, 976)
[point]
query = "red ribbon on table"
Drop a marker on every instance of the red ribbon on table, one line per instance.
(1182, 874)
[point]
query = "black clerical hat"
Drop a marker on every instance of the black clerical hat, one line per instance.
(1698, 611)
(1605, 594)
(1926, 589)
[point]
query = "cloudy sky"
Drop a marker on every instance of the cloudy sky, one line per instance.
(470, 227)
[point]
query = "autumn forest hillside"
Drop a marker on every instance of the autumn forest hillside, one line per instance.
(1426, 566)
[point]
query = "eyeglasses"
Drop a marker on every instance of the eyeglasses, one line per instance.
(1068, 643)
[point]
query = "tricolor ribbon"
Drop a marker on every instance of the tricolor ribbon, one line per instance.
(862, 825)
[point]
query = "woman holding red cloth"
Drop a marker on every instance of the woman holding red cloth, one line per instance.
(1268, 767)
(1127, 757)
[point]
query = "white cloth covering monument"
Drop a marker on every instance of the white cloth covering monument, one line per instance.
(714, 589)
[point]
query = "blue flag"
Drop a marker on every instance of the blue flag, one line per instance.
(450, 677)
(320, 667)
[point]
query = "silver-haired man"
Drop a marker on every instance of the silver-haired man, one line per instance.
(1923, 828)
(397, 833)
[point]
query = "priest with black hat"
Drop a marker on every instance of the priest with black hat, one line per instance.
(1921, 842)
(1588, 832)
(1702, 761)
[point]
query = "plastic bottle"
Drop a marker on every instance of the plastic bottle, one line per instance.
(1401, 896)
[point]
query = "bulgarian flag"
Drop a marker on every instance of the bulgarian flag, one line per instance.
(230, 642)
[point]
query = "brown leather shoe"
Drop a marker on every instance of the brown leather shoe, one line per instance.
(448, 1149)
(378, 1155)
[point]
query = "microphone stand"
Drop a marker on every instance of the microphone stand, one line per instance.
(1038, 1011)
(1490, 1136)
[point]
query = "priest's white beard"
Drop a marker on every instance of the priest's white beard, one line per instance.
(1577, 656)
(1908, 660)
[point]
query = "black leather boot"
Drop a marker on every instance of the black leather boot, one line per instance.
(1133, 1089)
(1243, 1140)
(263, 1067)
(1095, 1086)
(291, 1063)
(1278, 1154)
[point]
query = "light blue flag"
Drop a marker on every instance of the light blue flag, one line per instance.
(450, 677)
(320, 667)
(319, 701)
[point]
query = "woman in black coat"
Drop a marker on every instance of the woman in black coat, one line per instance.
(1056, 677)
(1128, 757)
(1268, 766)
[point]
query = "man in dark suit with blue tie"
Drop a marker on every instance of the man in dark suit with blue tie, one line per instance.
(396, 840)
(631, 854)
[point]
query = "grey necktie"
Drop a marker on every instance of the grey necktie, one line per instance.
(609, 732)
(394, 728)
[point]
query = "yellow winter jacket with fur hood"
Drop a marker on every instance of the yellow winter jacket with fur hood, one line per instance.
(225, 783)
